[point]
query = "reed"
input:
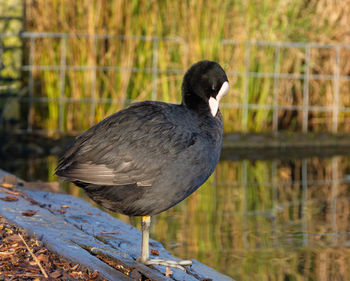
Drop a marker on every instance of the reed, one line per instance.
(202, 25)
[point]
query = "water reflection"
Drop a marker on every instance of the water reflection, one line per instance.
(257, 220)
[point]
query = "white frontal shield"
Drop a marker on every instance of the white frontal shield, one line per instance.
(214, 102)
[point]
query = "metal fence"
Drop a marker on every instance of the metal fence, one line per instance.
(338, 76)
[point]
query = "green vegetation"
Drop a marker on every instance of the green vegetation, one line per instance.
(11, 23)
(201, 25)
(10, 59)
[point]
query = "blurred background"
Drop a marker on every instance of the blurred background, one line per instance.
(279, 214)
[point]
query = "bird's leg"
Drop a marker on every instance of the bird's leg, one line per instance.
(144, 258)
(145, 225)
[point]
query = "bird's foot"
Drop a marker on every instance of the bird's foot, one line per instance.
(171, 263)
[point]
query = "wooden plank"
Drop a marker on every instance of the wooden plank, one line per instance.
(57, 239)
(77, 232)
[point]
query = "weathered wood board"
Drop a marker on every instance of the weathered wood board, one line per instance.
(79, 232)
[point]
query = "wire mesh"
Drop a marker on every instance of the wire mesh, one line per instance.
(247, 105)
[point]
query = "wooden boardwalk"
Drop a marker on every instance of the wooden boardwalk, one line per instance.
(83, 234)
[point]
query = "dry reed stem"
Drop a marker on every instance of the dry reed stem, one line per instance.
(317, 21)
(9, 191)
(34, 257)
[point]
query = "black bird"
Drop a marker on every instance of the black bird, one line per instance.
(150, 156)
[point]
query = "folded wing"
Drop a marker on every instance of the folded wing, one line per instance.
(136, 137)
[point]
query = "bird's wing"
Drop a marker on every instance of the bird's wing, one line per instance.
(129, 147)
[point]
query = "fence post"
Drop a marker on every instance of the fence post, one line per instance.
(245, 89)
(306, 90)
(31, 85)
(93, 83)
(276, 71)
(155, 67)
(336, 89)
(63, 60)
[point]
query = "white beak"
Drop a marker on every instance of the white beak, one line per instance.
(214, 102)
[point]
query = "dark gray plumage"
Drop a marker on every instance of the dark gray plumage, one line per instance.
(146, 158)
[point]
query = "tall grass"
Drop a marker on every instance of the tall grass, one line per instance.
(201, 25)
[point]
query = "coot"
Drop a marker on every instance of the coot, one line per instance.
(150, 156)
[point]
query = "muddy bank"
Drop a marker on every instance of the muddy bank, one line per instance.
(284, 145)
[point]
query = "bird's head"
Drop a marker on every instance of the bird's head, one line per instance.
(204, 85)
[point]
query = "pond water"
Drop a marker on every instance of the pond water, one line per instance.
(254, 219)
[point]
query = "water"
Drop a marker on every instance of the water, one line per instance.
(254, 219)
